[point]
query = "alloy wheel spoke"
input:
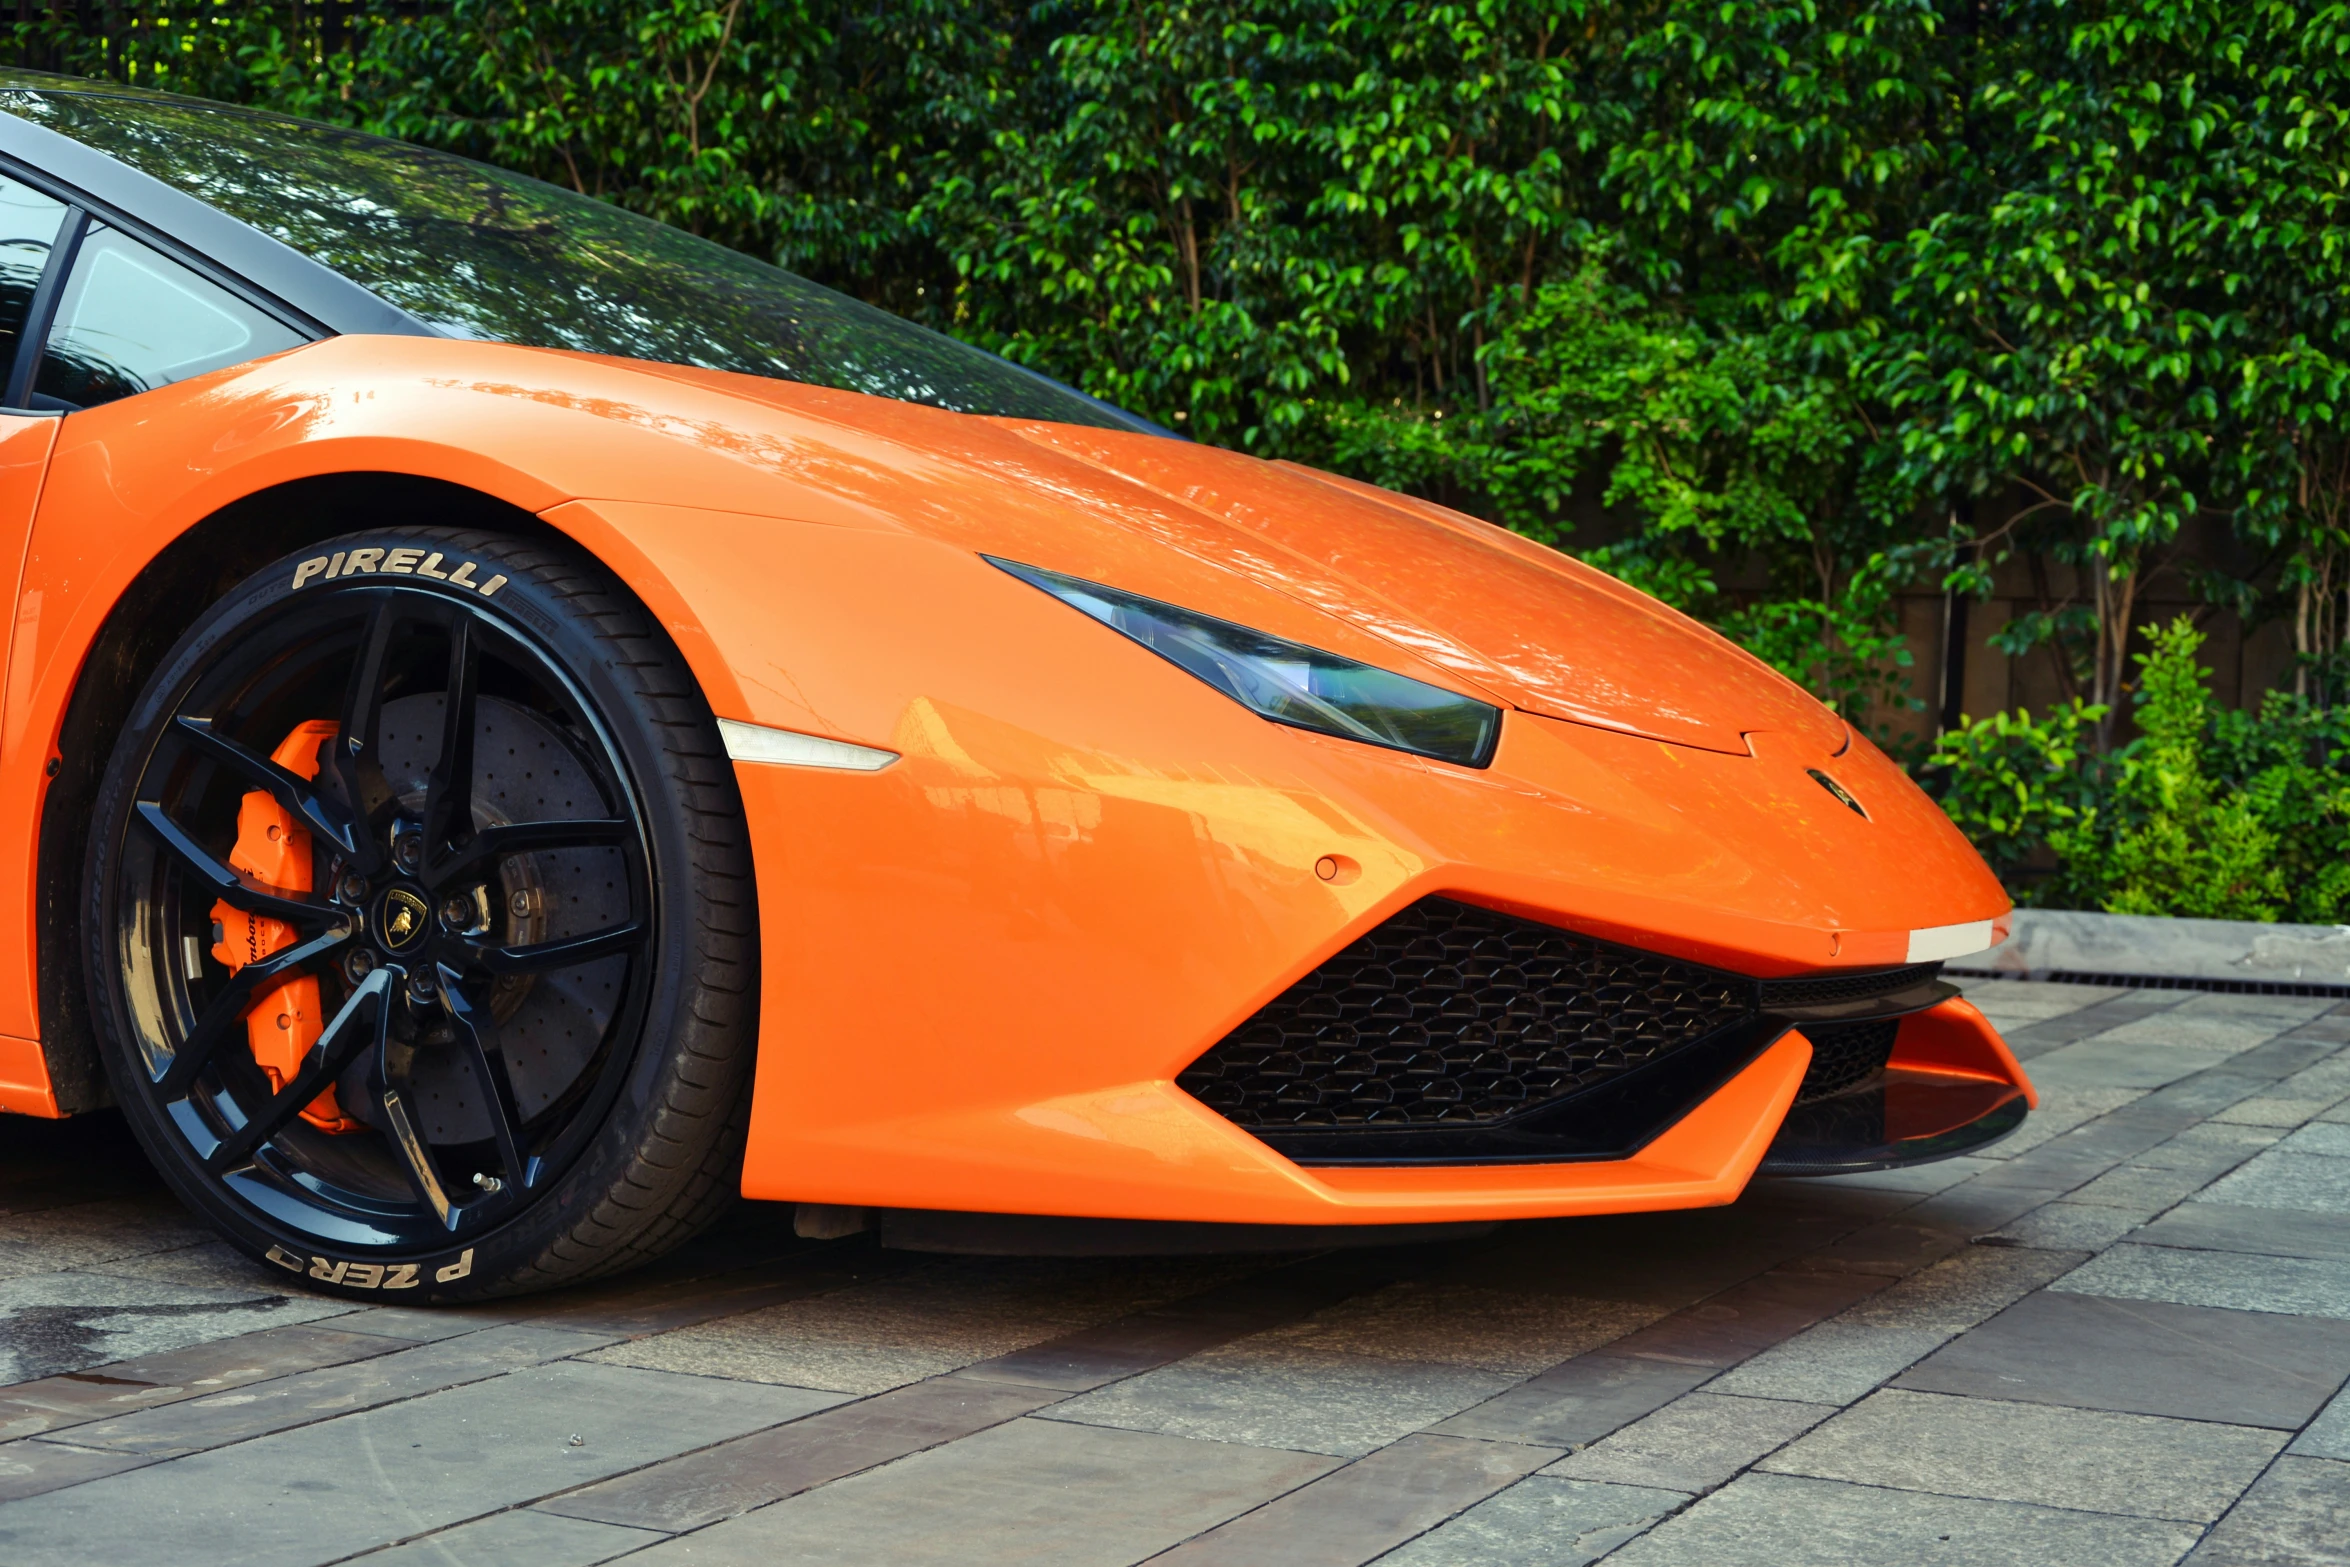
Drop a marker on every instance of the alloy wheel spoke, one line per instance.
(288, 788)
(227, 1009)
(448, 793)
(232, 886)
(477, 1032)
(355, 762)
(401, 1124)
(415, 1157)
(491, 844)
(339, 1044)
(541, 956)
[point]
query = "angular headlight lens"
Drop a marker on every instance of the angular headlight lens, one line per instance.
(1287, 681)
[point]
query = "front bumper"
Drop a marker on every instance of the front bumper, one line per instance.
(946, 1028)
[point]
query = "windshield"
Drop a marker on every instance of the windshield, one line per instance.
(480, 252)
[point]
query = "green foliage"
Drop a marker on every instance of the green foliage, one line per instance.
(2172, 838)
(2011, 782)
(2287, 759)
(2208, 813)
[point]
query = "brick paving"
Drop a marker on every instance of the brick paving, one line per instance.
(2120, 1338)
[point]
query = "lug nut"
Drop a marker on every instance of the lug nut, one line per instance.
(458, 912)
(408, 852)
(352, 888)
(420, 986)
(358, 965)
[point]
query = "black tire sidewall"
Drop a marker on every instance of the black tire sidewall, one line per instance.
(535, 602)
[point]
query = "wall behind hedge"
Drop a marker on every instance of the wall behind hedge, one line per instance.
(1818, 319)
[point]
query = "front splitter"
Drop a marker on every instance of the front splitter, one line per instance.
(1903, 1118)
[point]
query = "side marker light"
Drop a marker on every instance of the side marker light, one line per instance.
(789, 748)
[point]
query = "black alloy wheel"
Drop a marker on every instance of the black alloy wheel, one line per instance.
(528, 919)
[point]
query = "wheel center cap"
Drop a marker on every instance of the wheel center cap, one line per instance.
(401, 919)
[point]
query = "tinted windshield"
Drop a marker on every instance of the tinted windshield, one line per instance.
(480, 252)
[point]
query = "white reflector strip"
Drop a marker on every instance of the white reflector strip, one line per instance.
(1951, 941)
(788, 748)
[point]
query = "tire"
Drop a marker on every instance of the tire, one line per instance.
(524, 1055)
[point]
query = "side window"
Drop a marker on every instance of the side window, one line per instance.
(28, 229)
(130, 319)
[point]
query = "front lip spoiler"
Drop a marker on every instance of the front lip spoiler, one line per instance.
(1894, 1120)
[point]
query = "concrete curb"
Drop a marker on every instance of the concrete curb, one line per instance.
(2148, 949)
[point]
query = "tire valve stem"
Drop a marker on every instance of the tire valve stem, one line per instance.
(488, 1183)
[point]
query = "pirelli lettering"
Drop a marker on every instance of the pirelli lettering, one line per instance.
(369, 1275)
(401, 562)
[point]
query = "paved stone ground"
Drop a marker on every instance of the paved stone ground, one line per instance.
(2120, 1339)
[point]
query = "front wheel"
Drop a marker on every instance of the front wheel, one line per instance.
(419, 922)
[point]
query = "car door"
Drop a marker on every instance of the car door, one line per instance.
(30, 225)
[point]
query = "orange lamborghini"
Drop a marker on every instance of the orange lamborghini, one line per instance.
(520, 722)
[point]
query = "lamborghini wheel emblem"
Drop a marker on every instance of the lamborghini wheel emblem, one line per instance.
(1839, 791)
(404, 915)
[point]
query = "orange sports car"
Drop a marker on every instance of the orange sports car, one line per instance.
(520, 722)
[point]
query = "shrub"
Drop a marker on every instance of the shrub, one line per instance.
(2010, 782)
(2209, 813)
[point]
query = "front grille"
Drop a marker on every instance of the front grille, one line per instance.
(1452, 1016)
(1453, 1034)
(1845, 1054)
(1827, 990)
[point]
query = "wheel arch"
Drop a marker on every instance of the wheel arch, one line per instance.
(182, 580)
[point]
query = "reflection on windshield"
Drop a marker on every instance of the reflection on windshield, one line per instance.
(480, 252)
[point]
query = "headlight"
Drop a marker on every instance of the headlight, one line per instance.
(1286, 681)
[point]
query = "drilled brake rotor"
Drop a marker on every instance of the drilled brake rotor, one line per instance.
(549, 1024)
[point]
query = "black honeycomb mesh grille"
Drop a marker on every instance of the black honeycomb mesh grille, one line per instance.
(1845, 1054)
(1825, 990)
(1456, 1016)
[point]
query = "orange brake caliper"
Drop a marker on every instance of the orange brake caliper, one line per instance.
(271, 848)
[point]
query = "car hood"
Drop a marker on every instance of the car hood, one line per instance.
(1540, 629)
(1474, 604)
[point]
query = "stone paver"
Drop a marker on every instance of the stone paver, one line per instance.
(1541, 1521)
(1770, 1520)
(1035, 1492)
(335, 1488)
(2147, 1357)
(1276, 1394)
(2268, 1232)
(1694, 1443)
(2301, 1285)
(1353, 1514)
(2297, 1516)
(518, 1539)
(2087, 1460)
(52, 1323)
(749, 1472)
(2121, 1336)
(218, 1419)
(2284, 1177)
(1581, 1401)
